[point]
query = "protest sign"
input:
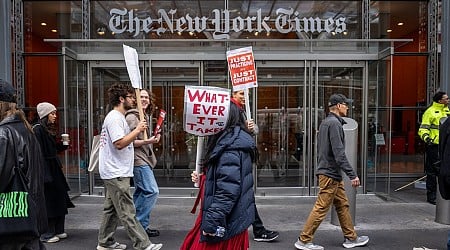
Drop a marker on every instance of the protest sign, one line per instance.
(162, 116)
(241, 65)
(205, 109)
(132, 62)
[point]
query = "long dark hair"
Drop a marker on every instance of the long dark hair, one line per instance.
(10, 109)
(235, 119)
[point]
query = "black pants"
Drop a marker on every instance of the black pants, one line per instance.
(258, 227)
(431, 170)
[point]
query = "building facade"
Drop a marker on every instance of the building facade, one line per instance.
(382, 54)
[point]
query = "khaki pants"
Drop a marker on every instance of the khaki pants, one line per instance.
(118, 206)
(331, 192)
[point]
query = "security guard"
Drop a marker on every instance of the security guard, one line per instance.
(429, 133)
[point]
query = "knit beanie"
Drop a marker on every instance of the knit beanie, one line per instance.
(45, 108)
(7, 92)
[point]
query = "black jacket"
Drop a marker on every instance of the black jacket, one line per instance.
(15, 137)
(444, 152)
(55, 186)
(229, 200)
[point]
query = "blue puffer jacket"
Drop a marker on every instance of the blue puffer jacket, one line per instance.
(229, 200)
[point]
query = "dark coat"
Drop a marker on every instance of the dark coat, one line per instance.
(15, 137)
(56, 186)
(444, 152)
(229, 200)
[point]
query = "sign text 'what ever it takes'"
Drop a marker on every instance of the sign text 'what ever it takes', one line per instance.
(206, 110)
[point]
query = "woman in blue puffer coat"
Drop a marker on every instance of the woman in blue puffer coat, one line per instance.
(228, 203)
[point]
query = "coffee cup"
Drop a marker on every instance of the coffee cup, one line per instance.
(65, 139)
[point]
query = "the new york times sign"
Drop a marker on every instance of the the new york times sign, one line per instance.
(220, 24)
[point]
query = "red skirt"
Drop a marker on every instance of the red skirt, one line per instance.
(192, 240)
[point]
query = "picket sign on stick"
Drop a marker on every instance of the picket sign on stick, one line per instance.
(131, 60)
(247, 105)
(206, 112)
(241, 65)
(199, 158)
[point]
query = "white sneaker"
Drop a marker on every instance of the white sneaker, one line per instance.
(114, 246)
(307, 246)
(359, 241)
(154, 246)
(62, 236)
(51, 240)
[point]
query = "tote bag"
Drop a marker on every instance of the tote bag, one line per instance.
(17, 208)
(93, 158)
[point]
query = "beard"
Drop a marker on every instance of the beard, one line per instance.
(127, 105)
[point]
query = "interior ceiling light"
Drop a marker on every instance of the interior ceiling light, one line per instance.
(400, 24)
(43, 24)
(389, 31)
(101, 31)
(54, 31)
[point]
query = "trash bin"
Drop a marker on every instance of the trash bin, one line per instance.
(351, 151)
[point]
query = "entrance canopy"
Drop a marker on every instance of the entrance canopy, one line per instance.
(205, 49)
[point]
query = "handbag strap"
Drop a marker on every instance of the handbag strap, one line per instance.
(17, 168)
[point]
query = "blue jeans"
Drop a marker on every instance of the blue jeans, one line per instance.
(145, 193)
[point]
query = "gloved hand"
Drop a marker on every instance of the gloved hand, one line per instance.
(428, 141)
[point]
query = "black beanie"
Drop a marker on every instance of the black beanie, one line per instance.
(7, 92)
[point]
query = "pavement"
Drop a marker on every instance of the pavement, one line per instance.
(390, 223)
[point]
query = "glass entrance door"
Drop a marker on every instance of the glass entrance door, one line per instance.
(176, 151)
(291, 101)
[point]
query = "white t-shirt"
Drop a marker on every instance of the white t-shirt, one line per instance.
(112, 162)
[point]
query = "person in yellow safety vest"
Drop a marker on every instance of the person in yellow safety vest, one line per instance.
(429, 133)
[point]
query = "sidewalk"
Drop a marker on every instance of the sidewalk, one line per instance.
(390, 225)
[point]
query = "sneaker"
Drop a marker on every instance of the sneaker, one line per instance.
(307, 246)
(360, 241)
(152, 232)
(266, 236)
(51, 240)
(154, 246)
(62, 236)
(115, 245)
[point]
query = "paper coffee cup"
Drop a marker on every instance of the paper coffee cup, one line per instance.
(65, 139)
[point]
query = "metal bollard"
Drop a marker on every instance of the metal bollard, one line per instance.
(351, 151)
(442, 209)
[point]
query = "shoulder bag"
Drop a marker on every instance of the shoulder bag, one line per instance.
(18, 217)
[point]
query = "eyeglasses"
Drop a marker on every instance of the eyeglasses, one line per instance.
(131, 96)
(145, 97)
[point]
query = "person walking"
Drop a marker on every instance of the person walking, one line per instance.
(332, 159)
(429, 133)
(145, 186)
(20, 145)
(226, 189)
(116, 157)
(260, 233)
(55, 184)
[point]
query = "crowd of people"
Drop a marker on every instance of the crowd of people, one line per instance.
(226, 194)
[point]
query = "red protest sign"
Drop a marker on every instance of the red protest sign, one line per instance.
(241, 65)
(205, 109)
(162, 116)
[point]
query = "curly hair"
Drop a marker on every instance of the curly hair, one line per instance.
(118, 90)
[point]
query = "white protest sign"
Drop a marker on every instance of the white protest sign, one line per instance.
(241, 65)
(132, 61)
(205, 109)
